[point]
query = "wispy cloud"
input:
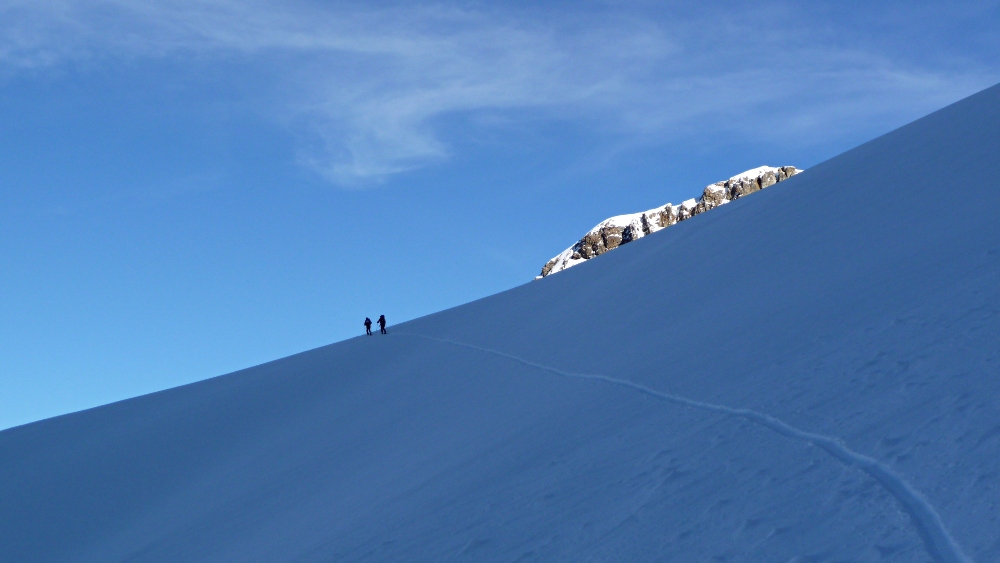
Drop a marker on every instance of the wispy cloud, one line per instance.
(373, 83)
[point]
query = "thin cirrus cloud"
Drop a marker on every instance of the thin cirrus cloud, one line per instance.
(370, 85)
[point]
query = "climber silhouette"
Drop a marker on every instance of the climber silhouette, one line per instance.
(368, 326)
(381, 323)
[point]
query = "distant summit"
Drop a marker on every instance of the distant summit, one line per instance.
(616, 231)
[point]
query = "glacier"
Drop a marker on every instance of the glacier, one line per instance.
(819, 382)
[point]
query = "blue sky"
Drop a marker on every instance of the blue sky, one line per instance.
(190, 188)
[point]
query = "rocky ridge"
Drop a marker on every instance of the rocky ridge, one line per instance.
(621, 229)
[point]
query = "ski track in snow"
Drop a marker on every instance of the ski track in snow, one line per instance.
(927, 521)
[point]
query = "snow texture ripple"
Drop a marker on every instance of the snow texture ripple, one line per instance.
(940, 545)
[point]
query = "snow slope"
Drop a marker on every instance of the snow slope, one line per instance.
(820, 384)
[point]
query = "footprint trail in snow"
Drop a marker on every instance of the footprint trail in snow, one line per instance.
(939, 543)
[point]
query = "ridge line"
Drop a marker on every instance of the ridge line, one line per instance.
(938, 541)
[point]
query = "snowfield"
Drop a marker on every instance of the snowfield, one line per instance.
(820, 383)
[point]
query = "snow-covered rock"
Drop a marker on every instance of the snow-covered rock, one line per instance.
(616, 231)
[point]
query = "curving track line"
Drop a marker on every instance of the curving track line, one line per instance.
(940, 545)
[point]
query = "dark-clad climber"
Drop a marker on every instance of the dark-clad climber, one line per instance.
(381, 323)
(368, 326)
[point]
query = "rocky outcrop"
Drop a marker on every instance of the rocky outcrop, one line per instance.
(616, 231)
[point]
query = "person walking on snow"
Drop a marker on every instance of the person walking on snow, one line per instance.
(381, 323)
(368, 326)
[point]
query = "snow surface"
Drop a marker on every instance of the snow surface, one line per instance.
(754, 172)
(819, 383)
